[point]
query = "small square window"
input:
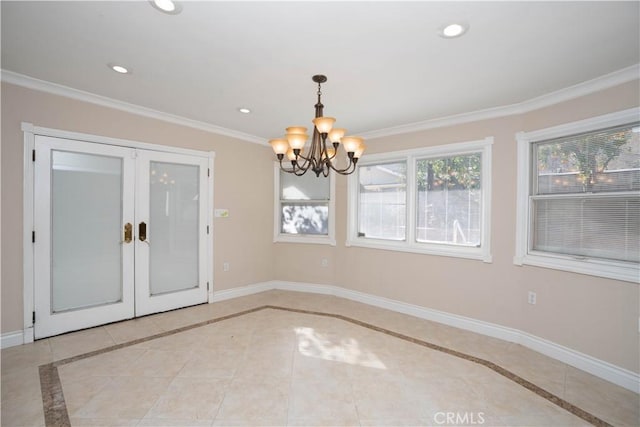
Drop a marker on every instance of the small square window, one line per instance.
(304, 208)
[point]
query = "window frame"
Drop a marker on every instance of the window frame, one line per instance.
(279, 237)
(410, 244)
(524, 254)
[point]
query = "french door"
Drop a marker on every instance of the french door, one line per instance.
(119, 233)
(171, 215)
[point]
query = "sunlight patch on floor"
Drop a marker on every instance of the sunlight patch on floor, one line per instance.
(347, 350)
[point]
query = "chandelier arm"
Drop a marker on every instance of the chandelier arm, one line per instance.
(309, 159)
(300, 172)
(294, 169)
(308, 162)
(335, 150)
(329, 159)
(306, 159)
(303, 165)
(346, 171)
(284, 169)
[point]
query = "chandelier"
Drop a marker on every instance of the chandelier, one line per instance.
(318, 157)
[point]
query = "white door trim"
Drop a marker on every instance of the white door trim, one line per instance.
(27, 224)
(29, 133)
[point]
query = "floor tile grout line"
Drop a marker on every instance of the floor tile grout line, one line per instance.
(55, 409)
(109, 334)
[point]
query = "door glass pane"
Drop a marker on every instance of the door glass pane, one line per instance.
(86, 205)
(173, 227)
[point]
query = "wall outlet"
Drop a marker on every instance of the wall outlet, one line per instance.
(324, 262)
(225, 266)
(532, 298)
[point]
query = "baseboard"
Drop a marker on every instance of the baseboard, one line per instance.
(607, 371)
(241, 291)
(599, 368)
(11, 339)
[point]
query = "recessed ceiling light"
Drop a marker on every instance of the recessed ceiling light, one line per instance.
(453, 30)
(167, 6)
(119, 69)
(244, 110)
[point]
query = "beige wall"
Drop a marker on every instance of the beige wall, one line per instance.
(595, 316)
(248, 197)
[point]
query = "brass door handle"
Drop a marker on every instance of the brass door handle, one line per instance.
(128, 232)
(142, 231)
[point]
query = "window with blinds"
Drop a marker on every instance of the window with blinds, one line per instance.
(585, 195)
(304, 208)
(432, 200)
(382, 198)
(304, 204)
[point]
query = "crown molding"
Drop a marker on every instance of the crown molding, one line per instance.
(80, 95)
(581, 89)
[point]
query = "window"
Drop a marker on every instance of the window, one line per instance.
(580, 184)
(449, 200)
(383, 201)
(433, 200)
(304, 208)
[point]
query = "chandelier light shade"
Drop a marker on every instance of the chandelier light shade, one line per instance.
(320, 157)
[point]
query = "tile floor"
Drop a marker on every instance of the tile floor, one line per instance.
(278, 367)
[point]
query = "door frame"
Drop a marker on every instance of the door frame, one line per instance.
(28, 191)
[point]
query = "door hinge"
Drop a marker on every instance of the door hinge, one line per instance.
(33, 317)
(33, 155)
(207, 229)
(33, 237)
(207, 286)
(208, 172)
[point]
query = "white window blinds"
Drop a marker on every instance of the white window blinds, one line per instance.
(383, 201)
(586, 195)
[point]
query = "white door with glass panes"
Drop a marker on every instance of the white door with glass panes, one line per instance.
(111, 239)
(171, 216)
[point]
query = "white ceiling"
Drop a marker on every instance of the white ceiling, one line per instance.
(385, 63)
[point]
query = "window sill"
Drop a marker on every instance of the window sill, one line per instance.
(627, 272)
(472, 253)
(316, 240)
